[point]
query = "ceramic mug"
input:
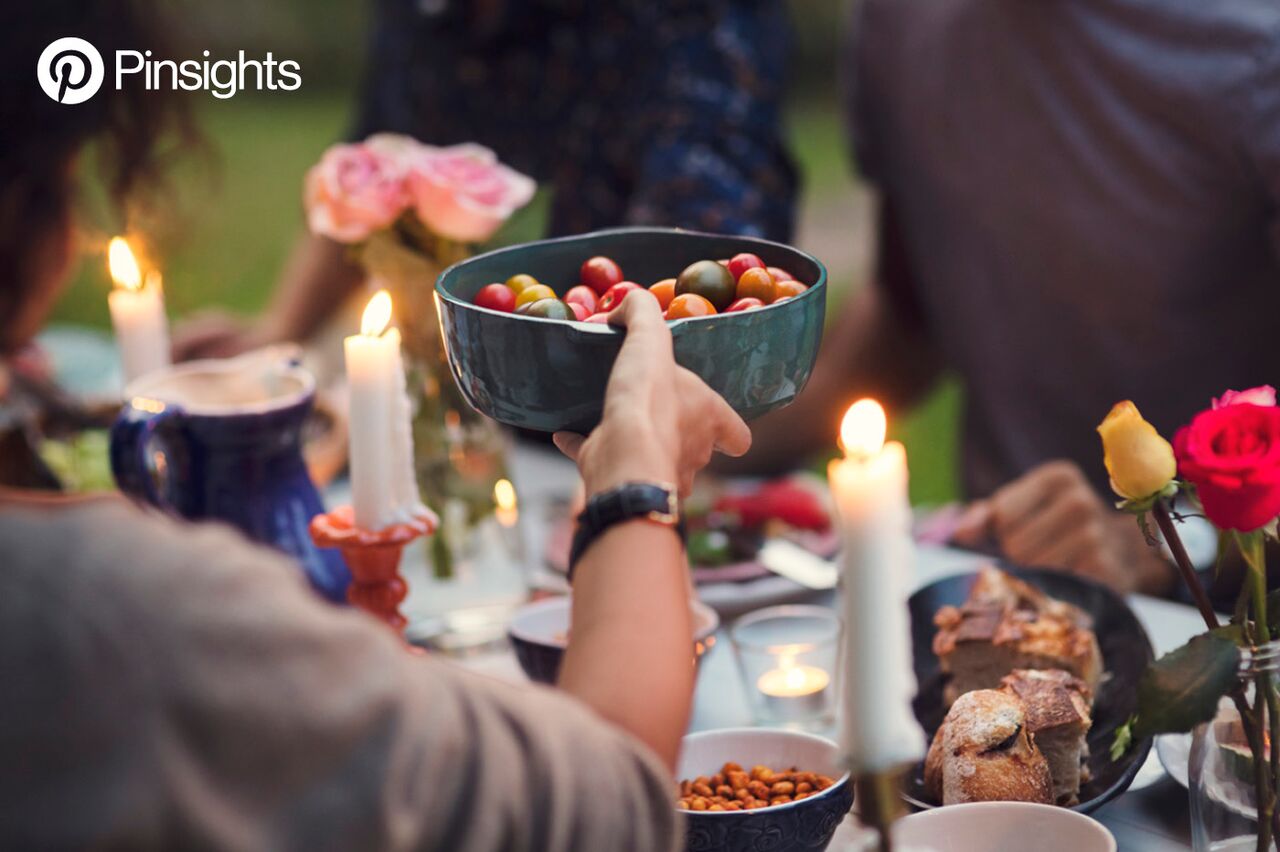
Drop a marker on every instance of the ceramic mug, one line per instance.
(222, 440)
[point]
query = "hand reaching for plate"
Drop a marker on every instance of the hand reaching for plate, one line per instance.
(661, 422)
(1052, 518)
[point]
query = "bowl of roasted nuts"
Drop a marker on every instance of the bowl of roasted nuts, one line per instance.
(744, 789)
(539, 633)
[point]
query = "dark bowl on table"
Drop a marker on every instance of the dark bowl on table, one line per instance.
(539, 633)
(1126, 651)
(548, 375)
(804, 826)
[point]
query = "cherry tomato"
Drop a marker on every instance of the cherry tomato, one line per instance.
(690, 305)
(742, 262)
(519, 282)
(600, 273)
(710, 280)
(613, 297)
(757, 283)
(534, 293)
(547, 309)
(780, 274)
(789, 289)
(497, 297)
(783, 299)
(580, 311)
(747, 303)
(665, 290)
(597, 318)
(583, 295)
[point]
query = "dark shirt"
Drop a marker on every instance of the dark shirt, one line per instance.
(633, 112)
(1087, 196)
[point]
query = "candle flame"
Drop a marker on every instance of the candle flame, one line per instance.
(123, 265)
(863, 428)
(377, 314)
(504, 494)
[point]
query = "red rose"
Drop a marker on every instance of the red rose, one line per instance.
(1232, 456)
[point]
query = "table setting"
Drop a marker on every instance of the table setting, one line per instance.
(859, 685)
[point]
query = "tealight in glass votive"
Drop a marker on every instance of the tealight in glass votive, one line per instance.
(787, 656)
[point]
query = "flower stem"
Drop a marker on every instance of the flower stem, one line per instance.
(1160, 512)
(1254, 552)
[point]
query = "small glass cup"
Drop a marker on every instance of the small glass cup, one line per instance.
(787, 657)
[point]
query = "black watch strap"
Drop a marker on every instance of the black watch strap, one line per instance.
(651, 501)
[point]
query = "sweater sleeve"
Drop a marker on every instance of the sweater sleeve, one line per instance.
(189, 691)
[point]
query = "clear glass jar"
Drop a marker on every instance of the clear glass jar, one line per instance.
(1222, 773)
(787, 657)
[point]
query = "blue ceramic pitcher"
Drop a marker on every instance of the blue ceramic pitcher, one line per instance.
(222, 440)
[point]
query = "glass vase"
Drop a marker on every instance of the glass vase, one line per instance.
(468, 576)
(1224, 776)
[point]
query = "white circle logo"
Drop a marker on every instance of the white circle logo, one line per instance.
(70, 70)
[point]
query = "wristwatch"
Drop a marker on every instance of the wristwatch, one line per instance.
(655, 502)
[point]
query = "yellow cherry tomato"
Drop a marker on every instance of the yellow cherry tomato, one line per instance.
(534, 293)
(519, 282)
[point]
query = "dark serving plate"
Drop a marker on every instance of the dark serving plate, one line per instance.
(1126, 651)
(549, 375)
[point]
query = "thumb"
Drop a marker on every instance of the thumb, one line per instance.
(569, 443)
(974, 527)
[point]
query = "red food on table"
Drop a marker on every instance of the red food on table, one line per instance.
(740, 263)
(600, 273)
(665, 290)
(579, 310)
(757, 283)
(585, 296)
(615, 295)
(789, 289)
(690, 305)
(497, 297)
(781, 500)
(780, 274)
(747, 303)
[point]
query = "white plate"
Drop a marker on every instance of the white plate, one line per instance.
(1174, 751)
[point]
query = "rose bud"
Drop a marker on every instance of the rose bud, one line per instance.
(1139, 460)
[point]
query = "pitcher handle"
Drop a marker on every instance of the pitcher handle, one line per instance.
(131, 437)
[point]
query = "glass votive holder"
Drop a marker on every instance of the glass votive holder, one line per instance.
(787, 657)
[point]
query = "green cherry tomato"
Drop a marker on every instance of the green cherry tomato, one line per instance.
(710, 280)
(547, 309)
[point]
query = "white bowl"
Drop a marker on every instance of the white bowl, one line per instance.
(1001, 827)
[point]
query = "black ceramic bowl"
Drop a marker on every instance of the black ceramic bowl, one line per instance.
(1126, 651)
(539, 632)
(549, 375)
(804, 826)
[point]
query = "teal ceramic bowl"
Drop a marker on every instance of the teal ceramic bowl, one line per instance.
(549, 375)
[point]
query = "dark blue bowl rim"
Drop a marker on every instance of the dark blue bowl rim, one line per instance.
(772, 809)
(604, 328)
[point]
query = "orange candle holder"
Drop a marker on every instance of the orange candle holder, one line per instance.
(373, 556)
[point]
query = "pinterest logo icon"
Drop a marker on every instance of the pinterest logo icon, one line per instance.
(70, 70)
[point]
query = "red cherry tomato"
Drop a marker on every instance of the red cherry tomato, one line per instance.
(579, 310)
(746, 303)
(600, 273)
(604, 318)
(780, 274)
(585, 296)
(740, 263)
(690, 305)
(665, 291)
(497, 297)
(789, 289)
(613, 297)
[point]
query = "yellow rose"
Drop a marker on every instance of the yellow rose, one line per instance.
(1139, 460)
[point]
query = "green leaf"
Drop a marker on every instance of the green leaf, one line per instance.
(1181, 689)
(1123, 738)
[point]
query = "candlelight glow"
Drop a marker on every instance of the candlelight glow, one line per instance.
(377, 314)
(504, 494)
(863, 429)
(123, 265)
(152, 281)
(790, 680)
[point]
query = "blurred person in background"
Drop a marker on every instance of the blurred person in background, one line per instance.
(1079, 205)
(630, 113)
(170, 686)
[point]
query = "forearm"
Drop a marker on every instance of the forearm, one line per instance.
(317, 280)
(631, 650)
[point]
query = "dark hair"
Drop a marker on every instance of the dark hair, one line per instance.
(40, 138)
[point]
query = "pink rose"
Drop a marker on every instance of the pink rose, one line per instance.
(355, 190)
(463, 193)
(1264, 396)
